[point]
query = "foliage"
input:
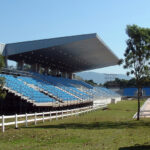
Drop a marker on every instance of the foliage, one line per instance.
(137, 55)
(91, 82)
(122, 83)
(2, 80)
(1, 62)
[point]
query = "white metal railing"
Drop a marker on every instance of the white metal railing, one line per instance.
(34, 117)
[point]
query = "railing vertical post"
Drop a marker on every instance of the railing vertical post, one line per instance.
(16, 121)
(3, 123)
(56, 115)
(35, 118)
(62, 114)
(26, 122)
(76, 112)
(91, 108)
(43, 117)
(50, 116)
(67, 112)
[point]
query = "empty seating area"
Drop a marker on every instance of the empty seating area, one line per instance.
(51, 89)
(64, 84)
(101, 92)
(21, 89)
(38, 88)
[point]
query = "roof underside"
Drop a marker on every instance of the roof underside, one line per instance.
(69, 54)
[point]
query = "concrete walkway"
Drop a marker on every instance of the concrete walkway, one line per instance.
(144, 110)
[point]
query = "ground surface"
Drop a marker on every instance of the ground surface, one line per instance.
(112, 129)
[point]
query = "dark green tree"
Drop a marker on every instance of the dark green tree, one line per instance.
(91, 82)
(2, 82)
(137, 56)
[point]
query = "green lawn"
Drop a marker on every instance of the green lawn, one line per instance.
(111, 129)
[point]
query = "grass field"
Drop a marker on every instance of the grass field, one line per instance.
(111, 129)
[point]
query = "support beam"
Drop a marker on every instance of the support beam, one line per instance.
(38, 68)
(70, 75)
(46, 70)
(6, 61)
(20, 65)
(34, 67)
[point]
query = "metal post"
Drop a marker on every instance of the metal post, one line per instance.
(50, 116)
(62, 114)
(26, 120)
(56, 115)
(35, 118)
(16, 121)
(3, 123)
(43, 117)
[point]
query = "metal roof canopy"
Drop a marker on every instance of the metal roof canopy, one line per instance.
(68, 54)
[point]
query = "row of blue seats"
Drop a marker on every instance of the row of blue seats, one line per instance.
(66, 84)
(54, 86)
(104, 92)
(49, 88)
(18, 86)
(72, 87)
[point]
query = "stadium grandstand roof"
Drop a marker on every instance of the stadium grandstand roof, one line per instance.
(69, 54)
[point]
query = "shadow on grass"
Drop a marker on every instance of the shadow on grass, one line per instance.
(96, 125)
(139, 147)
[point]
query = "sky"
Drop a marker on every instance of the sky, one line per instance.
(24, 20)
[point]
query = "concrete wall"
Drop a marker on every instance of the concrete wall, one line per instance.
(106, 100)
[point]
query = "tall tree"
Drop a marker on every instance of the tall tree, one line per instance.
(1, 79)
(137, 56)
(2, 82)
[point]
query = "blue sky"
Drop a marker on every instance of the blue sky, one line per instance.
(23, 20)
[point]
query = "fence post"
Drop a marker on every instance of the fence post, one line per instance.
(43, 117)
(50, 116)
(91, 108)
(3, 123)
(26, 120)
(62, 114)
(76, 112)
(16, 121)
(67, 112)
(56, 115)
(35, 118)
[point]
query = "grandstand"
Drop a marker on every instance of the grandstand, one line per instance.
(48, 83)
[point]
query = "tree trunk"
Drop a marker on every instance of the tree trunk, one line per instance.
(138, 111)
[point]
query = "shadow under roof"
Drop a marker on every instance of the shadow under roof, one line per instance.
(70, 54)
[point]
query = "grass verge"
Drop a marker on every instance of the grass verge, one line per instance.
(111, 129)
